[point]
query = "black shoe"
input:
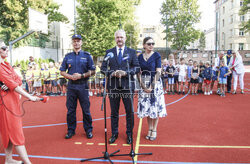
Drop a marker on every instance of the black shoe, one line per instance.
(69, 135)
(113, 138)
(179, 93)
(183, 93)
(89, 135)
(129, 140)
(98, 94)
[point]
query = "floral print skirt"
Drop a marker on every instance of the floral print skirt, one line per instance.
(152, 104)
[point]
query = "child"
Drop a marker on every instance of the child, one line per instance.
(164, 74)
(214, 78)
(29, 79)
(182, 69)
(207, 73)
(53, 77)
(194, 78)
(223, 72)
(170, 71)
(189, 69)
(37, 80)
(176, 75)
(202, 68)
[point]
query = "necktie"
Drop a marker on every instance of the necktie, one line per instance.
(120, 56)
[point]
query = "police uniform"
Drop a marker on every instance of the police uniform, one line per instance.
(78, 89)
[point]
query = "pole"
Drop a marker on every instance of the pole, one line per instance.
(74, 16)
(216, 34)
(16, 40)
(166, 34)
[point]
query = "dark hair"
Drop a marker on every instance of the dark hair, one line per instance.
(182, 59)
(146, 39)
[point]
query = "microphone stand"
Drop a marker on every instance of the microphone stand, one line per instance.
(106, 155)
(132, 153)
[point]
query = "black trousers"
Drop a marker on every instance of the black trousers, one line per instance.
(229, 82)
(115, 96)
(81, 93)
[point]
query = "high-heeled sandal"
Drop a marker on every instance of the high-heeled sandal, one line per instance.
(149, 134)
(153, 138)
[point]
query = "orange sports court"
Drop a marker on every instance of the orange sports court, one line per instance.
(198, 129)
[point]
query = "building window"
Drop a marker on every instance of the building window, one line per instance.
(247, 55)
(195, 55)
(184, 55)
(231, 32)
(231, 46)
(241, 33)
(223, 36)
(241, 46)
(231, 19)
(204, 55)
(140, 35)
(223, 22)
(223, 10)
(232, 4)
(242, 18)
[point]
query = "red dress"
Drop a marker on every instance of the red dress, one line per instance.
(10, 125)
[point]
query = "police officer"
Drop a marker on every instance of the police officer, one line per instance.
(79, 66)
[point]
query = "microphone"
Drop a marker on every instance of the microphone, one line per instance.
(109, 55)
(44, 99)
(125, 57)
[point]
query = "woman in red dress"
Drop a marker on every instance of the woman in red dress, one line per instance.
(10, 121)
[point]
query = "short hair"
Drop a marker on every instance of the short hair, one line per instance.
(120, 31)
(181, 59)
(222, 61)
(195, 62)
(207, 63)
(190, 60)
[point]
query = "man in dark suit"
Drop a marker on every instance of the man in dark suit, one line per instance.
(118, 83)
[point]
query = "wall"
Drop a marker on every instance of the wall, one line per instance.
(23, 53)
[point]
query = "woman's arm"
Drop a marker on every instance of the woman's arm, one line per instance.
(156, 78)
(19, 90)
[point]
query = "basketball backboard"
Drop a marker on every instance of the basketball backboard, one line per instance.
(38, 21)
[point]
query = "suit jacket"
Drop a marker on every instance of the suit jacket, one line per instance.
(238, 63)
(113, 64)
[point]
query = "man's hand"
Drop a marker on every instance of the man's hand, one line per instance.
(4, 87)
(76, 76)
(119, 73)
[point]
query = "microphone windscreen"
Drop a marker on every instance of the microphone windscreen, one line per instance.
(44, 99)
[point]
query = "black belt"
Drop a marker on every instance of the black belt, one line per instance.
(78, 81)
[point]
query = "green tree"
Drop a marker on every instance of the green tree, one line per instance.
(202, 41)
(99, 19)
(244, 10)
(14, 17)
(182, 16)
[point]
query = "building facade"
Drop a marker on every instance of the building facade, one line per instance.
(156, 32)
(229, 34)
(210, 39)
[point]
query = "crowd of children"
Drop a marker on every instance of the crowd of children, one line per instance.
(182, 78)
(46, 79)
(178, 78)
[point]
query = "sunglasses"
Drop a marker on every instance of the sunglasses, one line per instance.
(4, 48)
(149, 44)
